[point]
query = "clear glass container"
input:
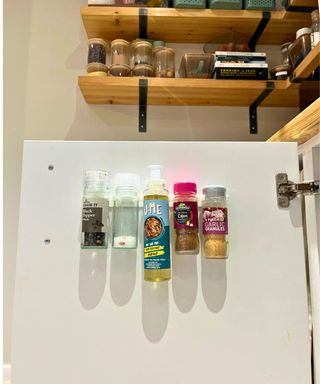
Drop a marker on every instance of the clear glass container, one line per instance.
(125, 211)
(215, 222)
(141, 52)
(315, 27)
(299, 49)
(164, 62)
(185, 214)
(97, 50)
(95, 209)
(120, 52)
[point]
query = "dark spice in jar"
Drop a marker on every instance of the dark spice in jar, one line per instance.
(185, 211)
(97, 51)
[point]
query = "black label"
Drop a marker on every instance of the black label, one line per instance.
(182, 214)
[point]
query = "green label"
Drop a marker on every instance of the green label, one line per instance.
(156, 234)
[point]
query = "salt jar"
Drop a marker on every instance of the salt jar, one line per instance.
(215, 222)
(164, 62)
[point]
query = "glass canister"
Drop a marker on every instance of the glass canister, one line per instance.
(285, 53)
(315, 27)
(97, 51)
(164, 62)
(120, 52)
(300, 47)
(215, 222)
(185, 214)
(141, 52)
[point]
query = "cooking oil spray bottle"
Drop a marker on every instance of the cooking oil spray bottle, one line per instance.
(156, 228)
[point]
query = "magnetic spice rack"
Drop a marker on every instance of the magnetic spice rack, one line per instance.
(194, 26)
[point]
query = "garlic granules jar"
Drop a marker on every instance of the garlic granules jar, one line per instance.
(215, 222)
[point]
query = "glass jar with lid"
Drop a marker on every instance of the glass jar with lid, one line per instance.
(299, 49)
(120, 58)
(141, 52)
(97, 51)
(164, 62)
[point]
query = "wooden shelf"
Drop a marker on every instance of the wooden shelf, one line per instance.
(308, 65)
(190, 25)
(200, 92)
(303, 127)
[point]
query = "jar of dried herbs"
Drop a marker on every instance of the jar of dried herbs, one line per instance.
(215, 222)
(185, 212)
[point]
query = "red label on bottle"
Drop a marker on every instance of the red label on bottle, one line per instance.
(185, 215)
(214, 221)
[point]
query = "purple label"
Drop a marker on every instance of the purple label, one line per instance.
(214, 221)
(185, 214)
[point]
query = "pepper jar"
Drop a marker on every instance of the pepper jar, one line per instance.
(185, 213)
(97, 54)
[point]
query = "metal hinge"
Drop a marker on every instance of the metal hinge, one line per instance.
(288, 190)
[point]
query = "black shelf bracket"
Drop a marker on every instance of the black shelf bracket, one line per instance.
(266, 16)
(143, 23)
(253, 107)
(143, 97)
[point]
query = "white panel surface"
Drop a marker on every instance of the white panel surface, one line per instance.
(88, 317)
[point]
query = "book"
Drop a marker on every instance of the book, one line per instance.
(240, 57)
(241, 71)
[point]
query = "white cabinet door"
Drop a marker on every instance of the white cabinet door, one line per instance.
(88, 317)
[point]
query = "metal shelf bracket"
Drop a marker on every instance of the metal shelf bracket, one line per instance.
(143, 97)
(253, 107)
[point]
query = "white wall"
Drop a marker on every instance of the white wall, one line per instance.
(44, 52)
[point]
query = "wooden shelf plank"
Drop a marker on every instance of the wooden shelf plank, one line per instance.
(198, 92)
(189, 25)
(303, 127)
(308, 65)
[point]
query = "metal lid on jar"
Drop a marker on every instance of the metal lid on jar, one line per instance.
(185, 187)
(214, 191)
(97, 67)
(120, 70)
(302, 31)
(103, 42)
(120, 42)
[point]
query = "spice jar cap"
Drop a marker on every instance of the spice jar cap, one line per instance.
(214, 191)
(127, 180)
(97, 40)
(302, 31)
(97, 176)
(159, 43)
(185, 187)
(119, 41)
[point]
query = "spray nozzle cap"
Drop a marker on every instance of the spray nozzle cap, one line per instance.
(155, 173)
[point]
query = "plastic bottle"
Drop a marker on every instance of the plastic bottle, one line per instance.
(125, 210)
(215, 222)
(315, 26)
(185, 213)
(95, 209)
(157, 266)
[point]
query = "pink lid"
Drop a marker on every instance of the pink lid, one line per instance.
(185, 187)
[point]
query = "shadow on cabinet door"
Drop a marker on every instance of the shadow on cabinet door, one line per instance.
(92, 276)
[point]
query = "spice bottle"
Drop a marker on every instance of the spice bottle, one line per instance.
(215, 222)
(315, 26)
(97, 50)
(157, 266)
(125, 210)
(95, 209)
(185, 213)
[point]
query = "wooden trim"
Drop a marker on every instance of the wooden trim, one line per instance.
(303, 127)
(190, 25)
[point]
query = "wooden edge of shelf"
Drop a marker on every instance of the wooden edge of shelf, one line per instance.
(301, 128)
(308, 65)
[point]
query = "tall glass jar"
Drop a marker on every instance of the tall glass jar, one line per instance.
(125, 211)
(185, 213)
(315, 27)
(95, 209)
(164, 61)
(141, 52)
(215, 222)
(97, 51)
(120, 58)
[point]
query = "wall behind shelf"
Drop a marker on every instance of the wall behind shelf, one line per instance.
(44, 52)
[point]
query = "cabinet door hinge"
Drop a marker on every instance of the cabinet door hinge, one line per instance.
(288, 190)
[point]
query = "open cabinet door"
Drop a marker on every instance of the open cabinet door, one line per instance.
(88, 317)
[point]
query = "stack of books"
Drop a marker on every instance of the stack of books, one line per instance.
(240, 65)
